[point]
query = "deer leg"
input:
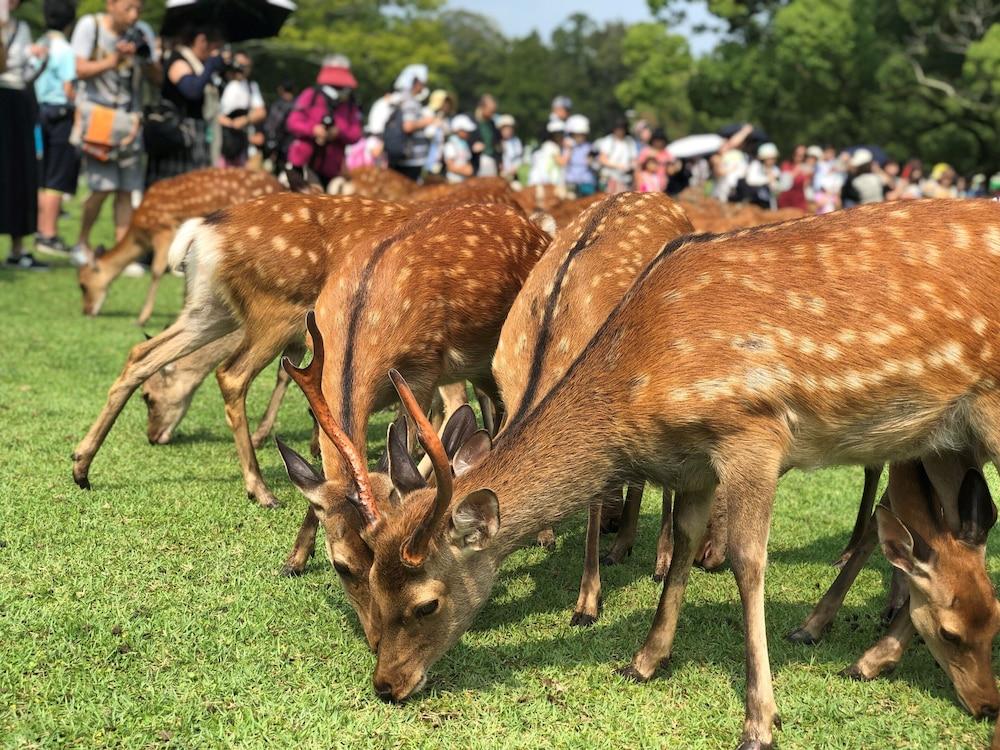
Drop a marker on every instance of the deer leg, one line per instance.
(861, 523)
(690, 518)
(488, 408)
(588, 605)
(304, 547)
(625, 539)
(187, 333)
(887, 651)
(899, 595)
(611, 513)
(712, 554)
(665, 541)
(234, 376)
(819, 620)
(161, 244)
(295, 353)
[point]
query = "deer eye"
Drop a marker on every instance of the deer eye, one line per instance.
(950, 636)
(341, 569)
(426, 609)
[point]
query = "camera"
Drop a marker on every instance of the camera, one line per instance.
(133, 35)
(327, 121)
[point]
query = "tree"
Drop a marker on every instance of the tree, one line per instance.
(659, 68)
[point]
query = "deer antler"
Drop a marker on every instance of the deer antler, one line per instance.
(310, 380)
(414, 550)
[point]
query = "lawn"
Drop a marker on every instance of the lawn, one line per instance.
(149, 611)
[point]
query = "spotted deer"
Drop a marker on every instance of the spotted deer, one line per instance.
(164, 207)
(932, 524)
(859, 337)
(430, 300)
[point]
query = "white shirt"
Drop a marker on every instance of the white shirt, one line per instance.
(621, 152)
(239, 95)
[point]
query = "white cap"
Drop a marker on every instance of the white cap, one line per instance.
(767, 151)
(555, 125)
(462, 123)
(815, 151)
(861, 157)
(506, 121)
(409, 74)
(577, 125)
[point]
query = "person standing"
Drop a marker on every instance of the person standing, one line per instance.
(616, 153)
(325, 120)
(511, 148)
(656, 150)
(442, 106)
(276, 136)
(458, 149)
(405, 134)
(18, 170)
(241, 110)
(577, 150)
(56, 96)
(864, 185)
(113, 51)
(488, 154)
(547, 162)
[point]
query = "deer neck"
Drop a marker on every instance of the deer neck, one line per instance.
(127, 249)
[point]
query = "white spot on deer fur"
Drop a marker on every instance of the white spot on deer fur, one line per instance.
(992, 239)
(847, 337)
(295, 251)
(979, 325)
(563, 345)
(816, 306)
(254, 232)
(830, 352)
(312, 256)
(304, 213)
(807, 345)
(279, 243)
(406, 303)
(987, 352)
(914, 366)
(522, 342)
(680, 394)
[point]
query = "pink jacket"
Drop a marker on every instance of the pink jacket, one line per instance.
(309, 111)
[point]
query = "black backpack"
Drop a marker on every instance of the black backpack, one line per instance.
(394, 137)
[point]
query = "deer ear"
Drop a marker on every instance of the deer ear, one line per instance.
(976, 510)
(475, 520)
(903, 548)
(302, 474)
(403, 472)
(472, 452)
(461, 425)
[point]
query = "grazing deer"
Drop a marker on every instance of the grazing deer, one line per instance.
(932, 525)
(256, 266)
(859, 337)
(459, 271)
(164, 206)
(583, 275)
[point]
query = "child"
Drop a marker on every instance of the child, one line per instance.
(651, 178)
(512, 151)
(547, 162)
(579, 176)
(458, 150)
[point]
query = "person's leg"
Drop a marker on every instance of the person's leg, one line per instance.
(48, 212)
(123, 212)
(91, 210)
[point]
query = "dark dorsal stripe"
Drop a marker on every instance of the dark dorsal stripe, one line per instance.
(544, 337)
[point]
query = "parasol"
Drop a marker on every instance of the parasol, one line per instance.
(692, 146)
(237, 20)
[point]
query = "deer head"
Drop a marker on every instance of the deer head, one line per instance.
(349, 509)
(96, 275)
(167, 395)
(952, 602)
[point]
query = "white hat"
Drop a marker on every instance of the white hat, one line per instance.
(562, 101)
(577, 125)
(462, 123)
(409, 74)
(767, 151)
(861, 157)
(506, 121)
(555, 125)
(815, 151)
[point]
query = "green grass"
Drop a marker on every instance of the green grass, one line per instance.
(149, 613)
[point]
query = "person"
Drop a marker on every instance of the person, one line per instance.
(488, 155)
(657, 149)
(442, 106)
(547, 162)
(190, 90)
(458, 149)
(576, 153)
(864, 183)
(562, 108)
(941, 183)
(405, 135)
(326, 119)
(18, 171)
(277, 139)
(763, 177)
(241, 110)
(825, 165)
(511, 148)
(616, 154)
(55, 94)
(910, 180)
(797, 177)
(729, 164)
(113, 50)
(650, 178)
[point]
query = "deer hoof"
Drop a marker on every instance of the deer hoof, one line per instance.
(658, 577)
(630, 673)
(755, 745)
(803, 636)
(291, 570)
(582, 620)
(547, 539)
(854, 672)
(80, 477)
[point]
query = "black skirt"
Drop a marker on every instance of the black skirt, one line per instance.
(18, 163)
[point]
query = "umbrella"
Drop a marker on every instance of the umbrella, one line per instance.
(237, 20)
(757, 134)
(691, 146)
(878, 153)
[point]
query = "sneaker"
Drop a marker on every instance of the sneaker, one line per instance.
(51, 246)
(26, 262)
(79, 255)
(134, 270)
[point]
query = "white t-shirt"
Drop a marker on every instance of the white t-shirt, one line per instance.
(118, 87)
(240, 95)
(621, 152)
(545, 168)
(459, 153)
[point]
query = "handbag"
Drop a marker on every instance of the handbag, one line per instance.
(235, 142)
(98, 131)
(163, 130)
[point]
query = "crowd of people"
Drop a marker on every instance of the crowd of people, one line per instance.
(102, 96)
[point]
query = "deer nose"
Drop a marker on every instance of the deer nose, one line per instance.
(989, 712)
(384, 692)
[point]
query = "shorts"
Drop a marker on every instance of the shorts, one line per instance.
(124, 174)
(60, 159)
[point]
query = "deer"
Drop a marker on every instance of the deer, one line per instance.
(462, 268)
(164, 206)
(732, 359)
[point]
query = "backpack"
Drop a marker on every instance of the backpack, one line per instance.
(394, 137)
(276, 135)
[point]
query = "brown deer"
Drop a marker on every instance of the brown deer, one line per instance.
(164, 206)
(732, 359)
(460, 271)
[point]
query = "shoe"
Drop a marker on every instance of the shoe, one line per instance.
(79, 255)
(26, 262)
(51, 246)
(134, 270)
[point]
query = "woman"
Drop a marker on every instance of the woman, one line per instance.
(763, 177)
(325, 120)
(18, 167)
(656, 150)
(188, 90)
(616, 154)
(547, 163)
(796, 177)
